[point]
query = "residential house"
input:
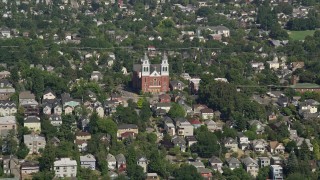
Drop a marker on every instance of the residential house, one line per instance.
(276, 172)
(83, 136)
(29, 104)
(69, 104)
(169, 126)
(55, 141)
(121, 162)
(251, 166)
(197, 163)
(180, 142)
(194, 85)
(216, 164)
(258, 125)
(143, 162)
(32, 123)
(34, 142)
(177, 85)
(264, 161)
(206, 113)
(164, 98)
(297, 65)
(184, 128)
(127, 130)
(6, 89)
(205, 172)
(55, 120)
(65, 167)
(81, 144)
(4, 74)
(88, 161)
(7, 108)
(99, 110)
(198, 107)
(211, 125)
(196, 123)
(273, 64)
(231, 144)
(185, 76)
(48, 94)
(191, 140)
(152, 176)
(112, 162)
(11, 165)
(243, 141)
(233, 163)
(96, 76)
(5, 32)
(164, 106)
(276, 160)
(259, 145)
(276, 147)
(309, 109)
(28, 168)
(300, 140)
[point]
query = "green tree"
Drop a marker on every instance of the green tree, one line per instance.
(186, 172)
(207, 143)
(293, 164)
(176, 111)
(263, 173)
(22, 151)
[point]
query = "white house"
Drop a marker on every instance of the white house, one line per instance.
(65, 167)
(112, 162)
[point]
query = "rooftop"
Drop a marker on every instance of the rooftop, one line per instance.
(65, 162)
(8, 120)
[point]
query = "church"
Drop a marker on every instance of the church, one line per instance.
(153, 78)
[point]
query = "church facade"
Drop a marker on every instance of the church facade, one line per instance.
(153, 78)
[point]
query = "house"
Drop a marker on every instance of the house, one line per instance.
(5, 32)
(34, 142)
(6, 93)
(100, 111)
(82, 145)
(185, 76)
(243, 141)
(152, 176)
(219, 30)
(276, 147)
(29, 104)
(96, 76)
(195, 123)
(11, 165)
(198, 107)
(151, 77)
(276, 160)
(88, 161)
(184, 128)
(164, 98)
(297, 65)
(48, 94)
(264, 161)
(163, 106)
(211, 125)
(308, 108)
(127, 130)
(216, 164)
(205, 172)
(32, 123)
(233, 163)
(251, 166)
(177, 85)
(191, 140)
(4, 74)
(231, 144)
(180, 142)
(299, 142)
(55, 141)
(276, 172)
(169, 126)
(258, 125)
(194, 85)
(121, 162)
(65, 167)
(112, 162)
(7, 108)
(7, 123)
(197, 163)
(28, 168)
(85, 136)
(143, 162)
(259, 145)
(57, 109)
(55, 120)
(273, 64)
(69, 104)
(206, 113)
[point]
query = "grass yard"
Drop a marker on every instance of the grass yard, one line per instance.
(300, 35)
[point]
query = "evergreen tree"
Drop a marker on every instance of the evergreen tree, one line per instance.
(293, 164)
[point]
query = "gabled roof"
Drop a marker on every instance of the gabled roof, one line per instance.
(214, 160)
(233, 160)
(248, 161)
(111, 158)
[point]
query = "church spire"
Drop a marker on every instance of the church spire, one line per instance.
(165, 65)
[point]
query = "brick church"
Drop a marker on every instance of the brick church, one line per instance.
(152, 78)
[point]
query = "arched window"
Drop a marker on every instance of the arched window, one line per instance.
(154, 81)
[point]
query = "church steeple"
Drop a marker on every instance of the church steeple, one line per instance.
(145, 65)
(165, 65)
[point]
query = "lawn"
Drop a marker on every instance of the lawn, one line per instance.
(300, 35)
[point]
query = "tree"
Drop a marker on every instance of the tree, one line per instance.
(11, 143)
(316, 150)
(207, 143)
(157, 164)
(176, 111)
(263, 173)
(22, 151)
(293, 164)
(145, 112)
(186, 172)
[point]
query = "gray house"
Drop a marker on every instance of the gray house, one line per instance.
(121, 162)
(264, 161)
(180, 142)
(88, 161)
(233, 163)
